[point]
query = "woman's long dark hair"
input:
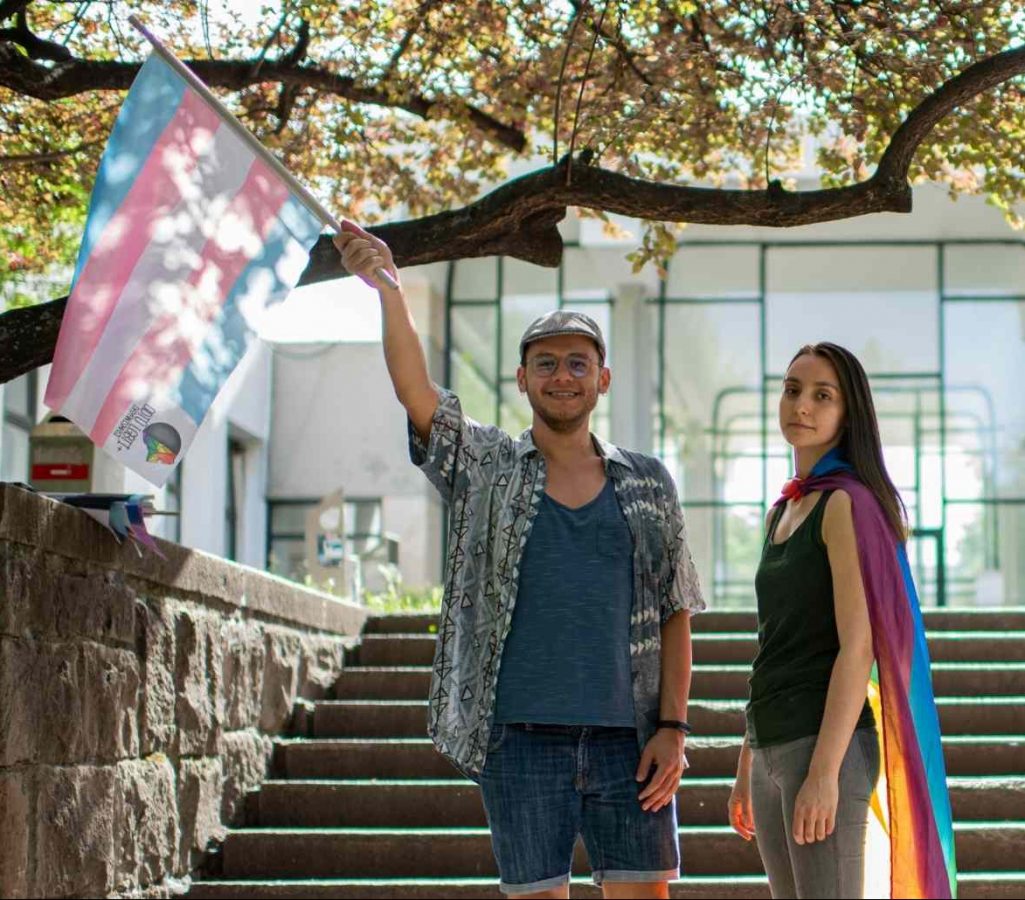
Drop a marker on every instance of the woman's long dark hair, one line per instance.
(860, 442)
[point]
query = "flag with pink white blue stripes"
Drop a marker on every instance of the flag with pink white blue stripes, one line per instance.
(190, 236)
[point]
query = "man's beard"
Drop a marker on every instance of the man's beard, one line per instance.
(563, 424)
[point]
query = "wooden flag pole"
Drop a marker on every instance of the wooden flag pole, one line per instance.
(311, 202)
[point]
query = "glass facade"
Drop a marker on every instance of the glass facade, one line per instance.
(938, 325)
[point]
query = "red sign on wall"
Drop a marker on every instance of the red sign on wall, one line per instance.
(60, 472)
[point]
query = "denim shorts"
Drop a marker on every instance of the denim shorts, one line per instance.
(543, 785)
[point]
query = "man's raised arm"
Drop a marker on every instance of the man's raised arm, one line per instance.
(363, 254)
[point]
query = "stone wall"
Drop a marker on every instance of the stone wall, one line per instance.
(138, 697)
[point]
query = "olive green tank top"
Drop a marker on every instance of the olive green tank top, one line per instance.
(797, 637)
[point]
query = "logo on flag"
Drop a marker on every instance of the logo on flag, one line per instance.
(191, 234)
(163, 443)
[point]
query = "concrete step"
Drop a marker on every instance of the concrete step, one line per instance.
(456, 803)
(970, 886)
(709, 757)
(715, 648)
(408, 718)
(466, 852)
(1008, 618)
(719, 682)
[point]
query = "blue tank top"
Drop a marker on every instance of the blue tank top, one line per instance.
(566, 660)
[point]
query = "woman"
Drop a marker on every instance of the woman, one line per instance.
(835, 593)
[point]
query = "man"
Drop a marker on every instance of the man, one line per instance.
(562, 669)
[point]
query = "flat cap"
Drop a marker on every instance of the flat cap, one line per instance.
(563, 321)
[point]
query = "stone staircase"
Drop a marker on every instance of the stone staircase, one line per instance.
(360, 804)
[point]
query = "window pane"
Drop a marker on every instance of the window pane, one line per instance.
(17, 399)
(985, 354)
(516, 414)
(908, 414)
(363, 516)
(984, 270)
(601, 419)
(473, 360)
(14, 464)
(475, 393)
(376, 550)
(170, 526)
(520, 277)
(288, 558)
(739, 539)
(713, 272)
(475, 279)
(700, 522)
(590, 273)
(923, 557)
(726, 543)
(289, 518)
(518, 311)
(880, 303)
(711, 385)
(985, 563)
(473, 337)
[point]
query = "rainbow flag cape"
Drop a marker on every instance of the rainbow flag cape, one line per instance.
(916, 804)
(190, 235)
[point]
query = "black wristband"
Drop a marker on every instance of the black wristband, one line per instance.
(675, 724)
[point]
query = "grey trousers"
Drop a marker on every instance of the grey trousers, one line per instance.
(824, 869)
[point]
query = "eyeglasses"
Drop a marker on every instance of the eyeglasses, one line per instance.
(546, 366)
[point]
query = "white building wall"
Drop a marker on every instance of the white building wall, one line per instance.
(243, 411)
(338, 425)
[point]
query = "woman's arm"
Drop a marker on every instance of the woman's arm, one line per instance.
(815, 809)
(740, 810)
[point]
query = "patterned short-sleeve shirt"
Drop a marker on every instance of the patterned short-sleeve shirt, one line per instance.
(493, 484)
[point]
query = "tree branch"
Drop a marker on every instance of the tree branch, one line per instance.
(520, 218)
(28, 159)
(78, 76)
(36, 47)
(302, 44)
(9, 8)
(420, 18)
(286, 102)
(262, 55)
(28, 336)
(976, 79)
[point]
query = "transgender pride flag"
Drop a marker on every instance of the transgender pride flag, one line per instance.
(191, 233)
